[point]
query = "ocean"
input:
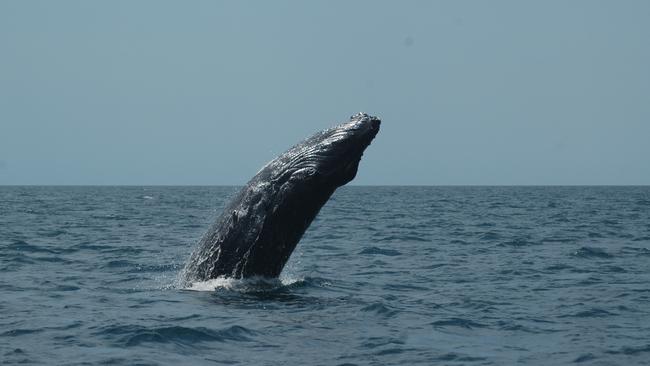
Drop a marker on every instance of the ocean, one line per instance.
(384, 276)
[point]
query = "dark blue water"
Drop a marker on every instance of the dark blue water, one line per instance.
(385, 275)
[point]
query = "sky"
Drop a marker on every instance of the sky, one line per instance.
(147, 92)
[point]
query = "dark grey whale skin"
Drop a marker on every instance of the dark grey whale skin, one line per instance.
(261, 226)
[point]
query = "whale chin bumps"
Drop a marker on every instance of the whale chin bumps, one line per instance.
(261, 226)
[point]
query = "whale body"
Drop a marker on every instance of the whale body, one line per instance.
(261, 226)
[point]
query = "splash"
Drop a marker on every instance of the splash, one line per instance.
(288, 277)
(243, 285)
(213, 284)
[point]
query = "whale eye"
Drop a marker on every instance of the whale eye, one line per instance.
(310, 171)
(304, 173)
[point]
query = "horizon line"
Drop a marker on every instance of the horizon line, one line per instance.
(347, 185)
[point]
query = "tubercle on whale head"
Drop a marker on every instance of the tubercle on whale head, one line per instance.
(326, 160)
(334, 154)
(366, 123)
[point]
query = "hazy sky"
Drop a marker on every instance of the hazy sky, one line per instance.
(205, 92)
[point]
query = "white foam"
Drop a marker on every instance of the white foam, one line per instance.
(213, 284)
(289, 280)
(248, 284)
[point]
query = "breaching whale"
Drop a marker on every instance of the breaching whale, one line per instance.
(261, 226)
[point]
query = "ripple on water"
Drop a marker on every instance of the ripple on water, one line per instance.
(23, 246)
(379, 309)
(638, 251)
(590, 313)
(591, 252)
(17, 356)
(511, 325)
(515, 242)
(380, 251)
(558, 267)
(490, 236)
(120, 263)
(134, 335)
(400, 238)
(66, 288)
(584, 358)
(457, 322)
(458, 358)
(116, 217)
(630, 351)
(20, 332)
(612, 269)
(52, 233)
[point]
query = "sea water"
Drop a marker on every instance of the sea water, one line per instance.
(384, 276)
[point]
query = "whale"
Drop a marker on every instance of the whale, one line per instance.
(263, 223)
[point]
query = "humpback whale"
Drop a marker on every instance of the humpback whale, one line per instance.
(261, 226)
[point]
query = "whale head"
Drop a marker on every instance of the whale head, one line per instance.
(330, 157)
(341, 148)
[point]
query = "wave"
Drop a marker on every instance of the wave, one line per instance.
(380, 309)
(584, 358)
(591, 252)
(134, 335)
(458, 358)
(558, 267)
(20, 332)
(116, 217)
(458, 322)
(380, 251)
(591, 313)
(516, 242)
(490, 236)
(411, 237)
(23, 246)
(630, 351)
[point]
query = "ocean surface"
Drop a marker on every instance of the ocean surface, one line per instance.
(384, 276)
